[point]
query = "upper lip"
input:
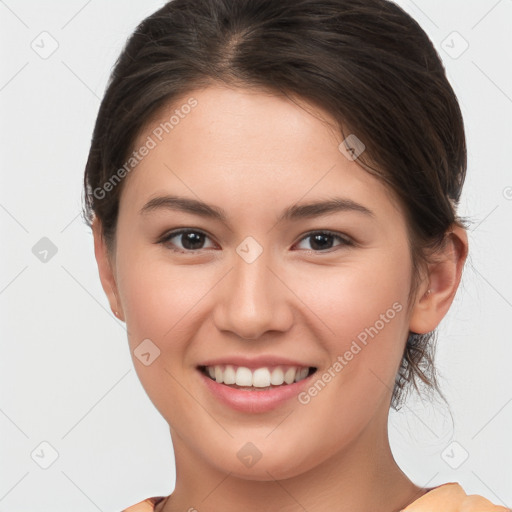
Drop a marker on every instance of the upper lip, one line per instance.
(254, 362)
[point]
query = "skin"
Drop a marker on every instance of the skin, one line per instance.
(254, 154)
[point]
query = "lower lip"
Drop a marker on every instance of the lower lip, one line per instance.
(254, 401)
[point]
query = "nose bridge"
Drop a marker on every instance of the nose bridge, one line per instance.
(251, 300)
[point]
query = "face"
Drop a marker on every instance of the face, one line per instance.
(257, 282)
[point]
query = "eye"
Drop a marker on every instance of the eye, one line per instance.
(185, 240)
(323, 240)
(191, 240)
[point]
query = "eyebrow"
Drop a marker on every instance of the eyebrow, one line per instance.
(292, 213)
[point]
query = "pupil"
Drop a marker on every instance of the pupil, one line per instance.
(192, 240)
(317, 241)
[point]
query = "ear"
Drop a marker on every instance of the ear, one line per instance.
(438, 289)
(106, 269)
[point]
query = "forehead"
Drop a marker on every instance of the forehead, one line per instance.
(226, 143)
(246, 124)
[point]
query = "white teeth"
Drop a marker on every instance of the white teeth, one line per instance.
(258, 378)
(243, 376)
(277, 376)
(289, 375)
(229, 375)
(261, 378)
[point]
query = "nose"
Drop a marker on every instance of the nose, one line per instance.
(252, 300)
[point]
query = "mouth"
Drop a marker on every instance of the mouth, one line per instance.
(256, 379)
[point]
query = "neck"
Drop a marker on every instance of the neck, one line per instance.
(362, 477)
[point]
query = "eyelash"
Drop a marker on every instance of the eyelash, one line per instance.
(165, 240)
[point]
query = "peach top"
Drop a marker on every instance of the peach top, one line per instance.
(449, 497)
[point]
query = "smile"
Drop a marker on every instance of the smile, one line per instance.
(263, 378)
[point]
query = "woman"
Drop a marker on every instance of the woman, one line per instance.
(272, 187)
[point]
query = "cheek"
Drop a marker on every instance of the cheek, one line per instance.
(360, 314)
(349, 298)
(162, 303)
(161, 300)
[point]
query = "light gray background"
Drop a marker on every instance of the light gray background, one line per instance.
(66, 377)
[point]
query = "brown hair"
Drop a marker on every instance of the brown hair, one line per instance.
(366, 62)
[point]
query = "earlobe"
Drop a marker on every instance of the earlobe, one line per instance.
(436, 293)
(105, 269)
